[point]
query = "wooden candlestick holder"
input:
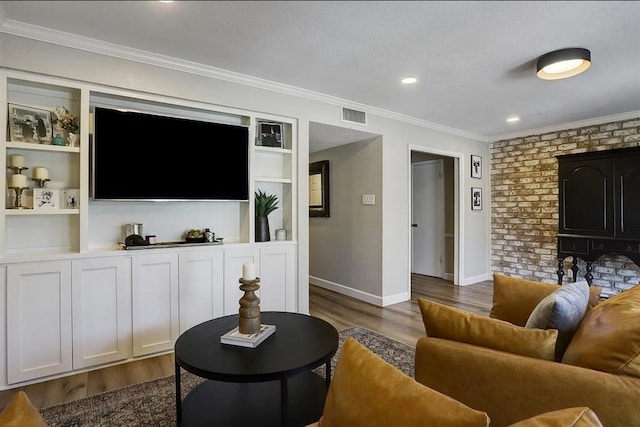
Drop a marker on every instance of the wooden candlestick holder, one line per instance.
(249, 322)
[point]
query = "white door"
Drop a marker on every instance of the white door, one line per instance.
(428, 218)
(38, 320)
(101, 296)
(154, 280)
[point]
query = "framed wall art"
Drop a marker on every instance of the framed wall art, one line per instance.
(269, 134)
(29, 124)
(45, 199)
(476, 166)
(476, 198)
(70, 198)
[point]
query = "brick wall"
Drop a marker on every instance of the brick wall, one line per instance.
(524, 204)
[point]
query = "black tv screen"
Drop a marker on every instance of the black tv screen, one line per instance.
(141, 156)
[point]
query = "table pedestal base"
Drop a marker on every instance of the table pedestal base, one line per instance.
(225, 404)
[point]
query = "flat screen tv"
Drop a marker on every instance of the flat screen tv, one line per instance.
(142, 156)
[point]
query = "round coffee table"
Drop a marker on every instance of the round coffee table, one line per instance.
(270, 385)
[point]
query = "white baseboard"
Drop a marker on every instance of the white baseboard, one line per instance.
(358, 294)
(447, 276)
(475, 279)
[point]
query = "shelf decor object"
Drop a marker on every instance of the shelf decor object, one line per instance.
(29, 124)
(18, 201)
(265, 204)
(269, 134)
(65, 120)
(249, 322)
(41, 176)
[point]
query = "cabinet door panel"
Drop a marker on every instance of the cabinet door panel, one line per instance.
(628, 193)
(155, 303)
(201, 287)
(101, 311)
(277, 278)
(586, 197)
(38, 320)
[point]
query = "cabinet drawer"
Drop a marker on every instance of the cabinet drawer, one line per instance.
(573, 245)
(627, 247)
(603, 245)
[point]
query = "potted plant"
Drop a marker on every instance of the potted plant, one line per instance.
(265, 204)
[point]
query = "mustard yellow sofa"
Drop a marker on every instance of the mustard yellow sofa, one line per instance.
(497, 365)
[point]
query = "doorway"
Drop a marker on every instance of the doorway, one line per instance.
(427, 226)
(434, 193)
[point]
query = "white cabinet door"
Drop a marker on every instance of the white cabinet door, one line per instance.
(201, 287)
(155, 303)
(38, 320)
(233, 260)
(101, 295)
(278, 278)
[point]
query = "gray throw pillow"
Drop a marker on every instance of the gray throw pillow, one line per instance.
(562, 310)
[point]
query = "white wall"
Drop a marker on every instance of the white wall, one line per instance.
(177, 80)
(345, 249)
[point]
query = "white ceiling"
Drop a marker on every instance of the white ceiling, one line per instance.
(475, 60)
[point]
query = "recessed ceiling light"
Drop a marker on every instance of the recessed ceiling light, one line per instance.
(513, 119)
(165, 1)
(563, 63)
(409, 80)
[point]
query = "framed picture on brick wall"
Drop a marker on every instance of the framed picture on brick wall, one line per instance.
(476, 198)
(476, 166)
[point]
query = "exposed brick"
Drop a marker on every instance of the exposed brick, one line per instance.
(524, 200)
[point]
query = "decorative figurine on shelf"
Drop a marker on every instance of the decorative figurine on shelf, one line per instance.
(58, 140)
(64, 120)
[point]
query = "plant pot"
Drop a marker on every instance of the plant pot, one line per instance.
(262, 229)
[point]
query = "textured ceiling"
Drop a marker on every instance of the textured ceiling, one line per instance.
(475, 61)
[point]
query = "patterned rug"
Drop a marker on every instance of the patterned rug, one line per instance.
(152, 403)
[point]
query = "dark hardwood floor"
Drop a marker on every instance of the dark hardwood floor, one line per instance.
(401, 322)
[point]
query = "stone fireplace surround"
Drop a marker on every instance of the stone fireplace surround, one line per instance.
(524, 204)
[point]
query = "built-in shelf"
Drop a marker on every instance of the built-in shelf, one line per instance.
(273, 149)
(17, 212)
(280, 180)
(42, 147)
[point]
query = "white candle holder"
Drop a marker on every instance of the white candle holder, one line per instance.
(42, 182)
(18, 169)
(18, 202)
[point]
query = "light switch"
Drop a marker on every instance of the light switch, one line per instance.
(368, 199)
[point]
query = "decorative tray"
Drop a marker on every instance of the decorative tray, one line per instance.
(180, 243)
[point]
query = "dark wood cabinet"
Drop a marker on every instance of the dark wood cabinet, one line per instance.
(599, 206)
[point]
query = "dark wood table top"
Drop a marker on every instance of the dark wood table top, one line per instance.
(300, 343)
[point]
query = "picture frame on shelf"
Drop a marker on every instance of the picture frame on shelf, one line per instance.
(46, 199)
(476, 166)
(29, 124)
(70, 198)
(476, 198)
(270, 134)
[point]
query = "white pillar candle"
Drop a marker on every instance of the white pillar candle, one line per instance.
(40, 173)
(18, 180)
(17, 161)
(249, 271)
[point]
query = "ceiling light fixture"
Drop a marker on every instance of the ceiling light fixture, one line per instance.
(513, 119)
(409, 80)
(563, 63)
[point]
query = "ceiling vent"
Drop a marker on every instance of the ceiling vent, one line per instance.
(354, 116)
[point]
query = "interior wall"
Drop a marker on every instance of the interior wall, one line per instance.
(400, 133)
(345, 249)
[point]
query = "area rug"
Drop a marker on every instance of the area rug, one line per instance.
(152, 403)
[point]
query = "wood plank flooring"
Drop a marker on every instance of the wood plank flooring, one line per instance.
(401, 322)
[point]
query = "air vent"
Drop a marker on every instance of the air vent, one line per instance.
(354, 116)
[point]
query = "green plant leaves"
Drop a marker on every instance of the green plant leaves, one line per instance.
(265, 204)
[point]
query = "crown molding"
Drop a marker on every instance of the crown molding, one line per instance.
(61, 38)
(566, 126)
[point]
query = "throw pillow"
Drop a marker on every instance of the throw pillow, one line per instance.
(563, 310)
(570, 417)
(367, 391)
(442, 321)
(20, 412)
(514, 299)
(608, 338)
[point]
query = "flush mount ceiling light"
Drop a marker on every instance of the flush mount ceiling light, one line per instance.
(409, 80)
(563, 63)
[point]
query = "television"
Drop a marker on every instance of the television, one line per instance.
(138, 156)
